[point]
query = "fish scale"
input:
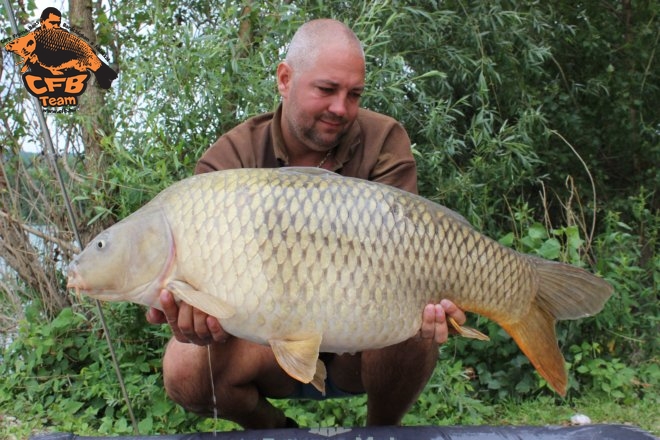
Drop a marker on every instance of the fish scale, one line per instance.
(65, 44)
(58, 39)
(309, 261)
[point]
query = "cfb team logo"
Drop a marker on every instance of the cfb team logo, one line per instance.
(56, 63)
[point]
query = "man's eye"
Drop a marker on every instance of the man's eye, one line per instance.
(326, 89)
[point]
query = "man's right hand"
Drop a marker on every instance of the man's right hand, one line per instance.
(188, 324)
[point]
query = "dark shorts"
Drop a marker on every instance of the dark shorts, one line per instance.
(307, 391)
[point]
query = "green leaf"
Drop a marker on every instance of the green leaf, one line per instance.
(550, 249)
(538, 232)
(507, 240)
(146, 425)
(64, 319)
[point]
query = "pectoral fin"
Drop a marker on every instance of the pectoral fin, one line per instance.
(467, 332)
(300, 359)
(203, 301)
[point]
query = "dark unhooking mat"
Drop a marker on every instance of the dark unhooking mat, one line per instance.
(589, 432)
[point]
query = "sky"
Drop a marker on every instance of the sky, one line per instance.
(62, 5)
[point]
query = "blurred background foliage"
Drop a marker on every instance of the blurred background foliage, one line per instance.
(538, 121)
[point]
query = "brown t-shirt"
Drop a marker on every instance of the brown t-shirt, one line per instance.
(376, 148)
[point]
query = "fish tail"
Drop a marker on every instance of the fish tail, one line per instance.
(535, 335)
(565, 292)
(105, 75)
(569, 292)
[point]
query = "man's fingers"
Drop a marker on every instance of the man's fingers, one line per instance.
(155, 316)
(170, 309)
(441, 333)
(452, 310)
(217, 332)
(201, 334)
(188, 324)
(434, 320)
(429, 321)
(434, 323)
(181, 319)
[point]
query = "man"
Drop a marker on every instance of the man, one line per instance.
(319, 124)
(51, 18)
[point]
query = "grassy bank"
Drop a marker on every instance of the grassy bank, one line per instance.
(537, 412)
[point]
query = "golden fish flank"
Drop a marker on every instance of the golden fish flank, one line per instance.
(306, 260)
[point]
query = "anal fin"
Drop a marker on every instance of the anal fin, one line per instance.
(320, 376)
(299, 358)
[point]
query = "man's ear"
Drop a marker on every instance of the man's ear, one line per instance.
(284, 75)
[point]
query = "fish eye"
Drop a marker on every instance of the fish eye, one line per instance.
(100, 244)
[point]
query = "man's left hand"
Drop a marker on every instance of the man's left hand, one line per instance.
(434, 320)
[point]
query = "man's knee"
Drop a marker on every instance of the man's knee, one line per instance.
(414, 352)
(185, 380)
(411, 361)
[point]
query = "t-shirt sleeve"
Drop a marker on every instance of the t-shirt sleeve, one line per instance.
(248, 145)
(395, 165)
(222, 155)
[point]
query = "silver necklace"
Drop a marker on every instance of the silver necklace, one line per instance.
(325, 158)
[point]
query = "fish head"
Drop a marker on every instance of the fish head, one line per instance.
(23, 46)
(129, 261)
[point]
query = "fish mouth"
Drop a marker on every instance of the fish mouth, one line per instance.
(74, 281)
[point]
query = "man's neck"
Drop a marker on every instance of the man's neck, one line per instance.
(300, 154)
(308, 158)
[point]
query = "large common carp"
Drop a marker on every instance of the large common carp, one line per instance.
(306, 260)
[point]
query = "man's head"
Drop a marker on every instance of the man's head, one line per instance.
(320, 81)
(51, 18)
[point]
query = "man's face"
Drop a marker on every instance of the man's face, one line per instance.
(321, 99)
(52, 22)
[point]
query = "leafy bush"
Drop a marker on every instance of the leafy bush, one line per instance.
(58, 374)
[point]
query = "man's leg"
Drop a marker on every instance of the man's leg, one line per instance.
(243, 373)
(394, 377)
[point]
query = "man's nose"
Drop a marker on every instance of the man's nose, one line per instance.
(338, 104)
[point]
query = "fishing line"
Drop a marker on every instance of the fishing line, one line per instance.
(52, 158)
(213, 398)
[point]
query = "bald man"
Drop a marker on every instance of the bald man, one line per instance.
(319, 123)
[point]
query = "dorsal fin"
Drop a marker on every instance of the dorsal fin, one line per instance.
(311, 171)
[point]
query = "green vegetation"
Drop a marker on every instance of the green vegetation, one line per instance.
(57, 377)
(538, 121)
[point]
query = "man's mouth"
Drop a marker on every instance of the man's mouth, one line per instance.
(336, 123)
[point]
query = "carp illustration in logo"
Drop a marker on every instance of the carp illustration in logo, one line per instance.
(58, 62)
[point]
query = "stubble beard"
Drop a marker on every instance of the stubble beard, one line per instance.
(311, 137)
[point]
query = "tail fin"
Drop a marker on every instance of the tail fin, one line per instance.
(565, 292)
(105, 75)
(569, 292)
